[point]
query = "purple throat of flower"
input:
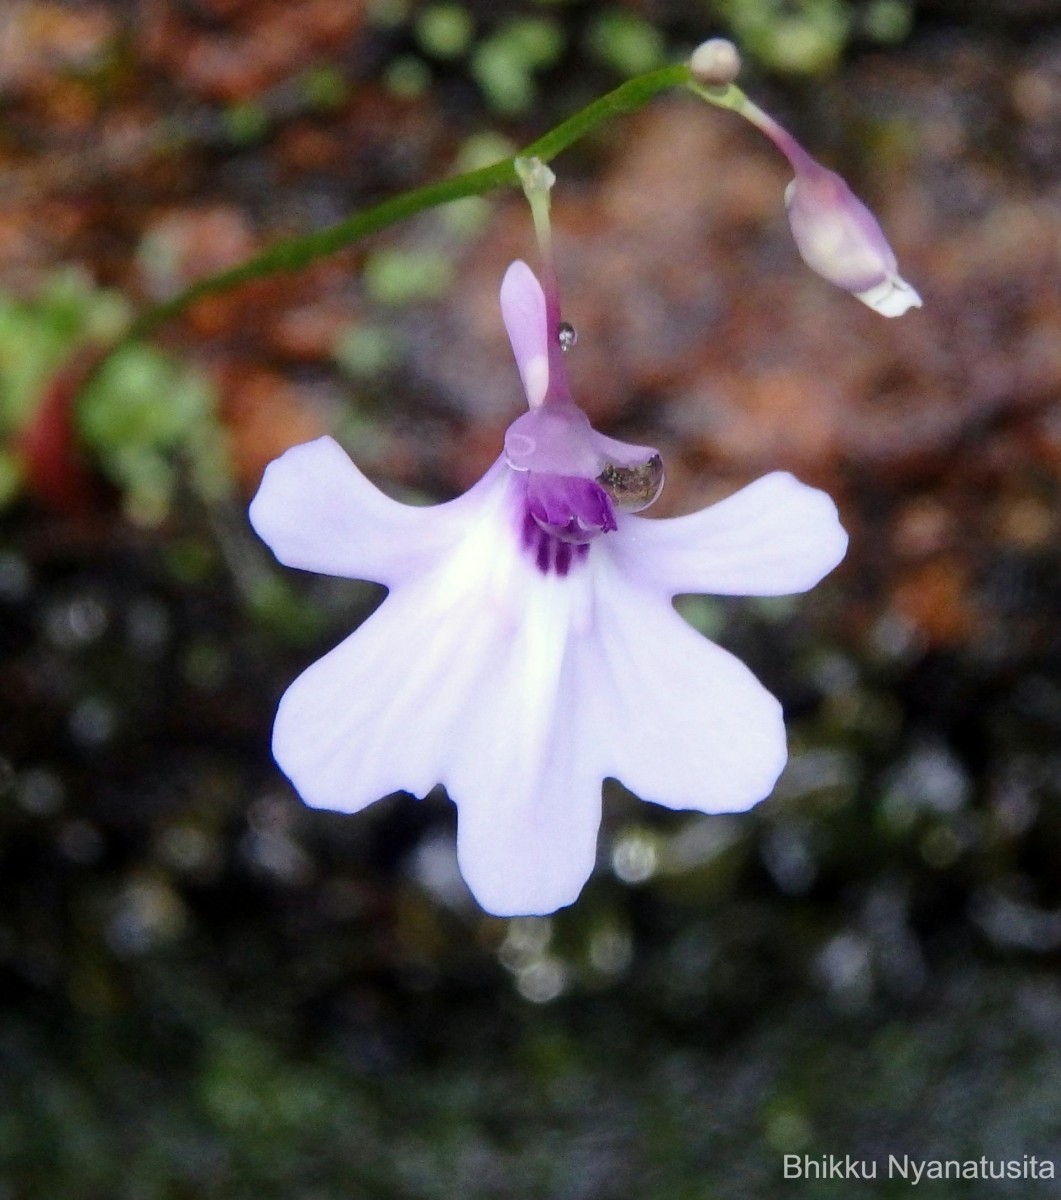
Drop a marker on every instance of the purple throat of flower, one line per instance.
(571, 482)
(562, 514)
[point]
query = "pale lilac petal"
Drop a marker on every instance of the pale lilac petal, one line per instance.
(774, 537)
(528, 797)
(522, 776)
(459, 678)
(527, 845)
(316, 511)
(523, 310)
(556, 438)
(377, 713)
(678, 720)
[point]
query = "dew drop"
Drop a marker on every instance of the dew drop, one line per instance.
(567, 336)
(635, 487)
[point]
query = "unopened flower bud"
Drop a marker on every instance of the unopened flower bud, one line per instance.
(835, 232)
(715, 63)
(840, 238)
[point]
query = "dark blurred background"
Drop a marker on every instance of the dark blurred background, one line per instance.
(209, 990)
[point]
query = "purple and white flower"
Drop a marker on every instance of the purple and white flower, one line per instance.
(528, 647)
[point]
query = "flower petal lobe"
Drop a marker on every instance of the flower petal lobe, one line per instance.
(774, 537)
(685, 723)
(316, 511)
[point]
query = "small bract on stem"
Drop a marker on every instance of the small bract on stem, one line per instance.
(537, 181)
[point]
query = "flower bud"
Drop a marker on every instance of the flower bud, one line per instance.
(715, 63)
(840, 238)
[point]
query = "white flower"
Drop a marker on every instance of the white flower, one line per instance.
(528, 647)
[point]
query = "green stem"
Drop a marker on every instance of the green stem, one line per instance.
(295, 253)
(727, 96)
(734, 100)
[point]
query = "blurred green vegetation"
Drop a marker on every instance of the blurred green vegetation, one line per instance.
(596, 1103)
(512, 53)
(213, 991)
(146, 424)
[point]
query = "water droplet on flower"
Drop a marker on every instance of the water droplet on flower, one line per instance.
(566, 335)
(633, 488)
